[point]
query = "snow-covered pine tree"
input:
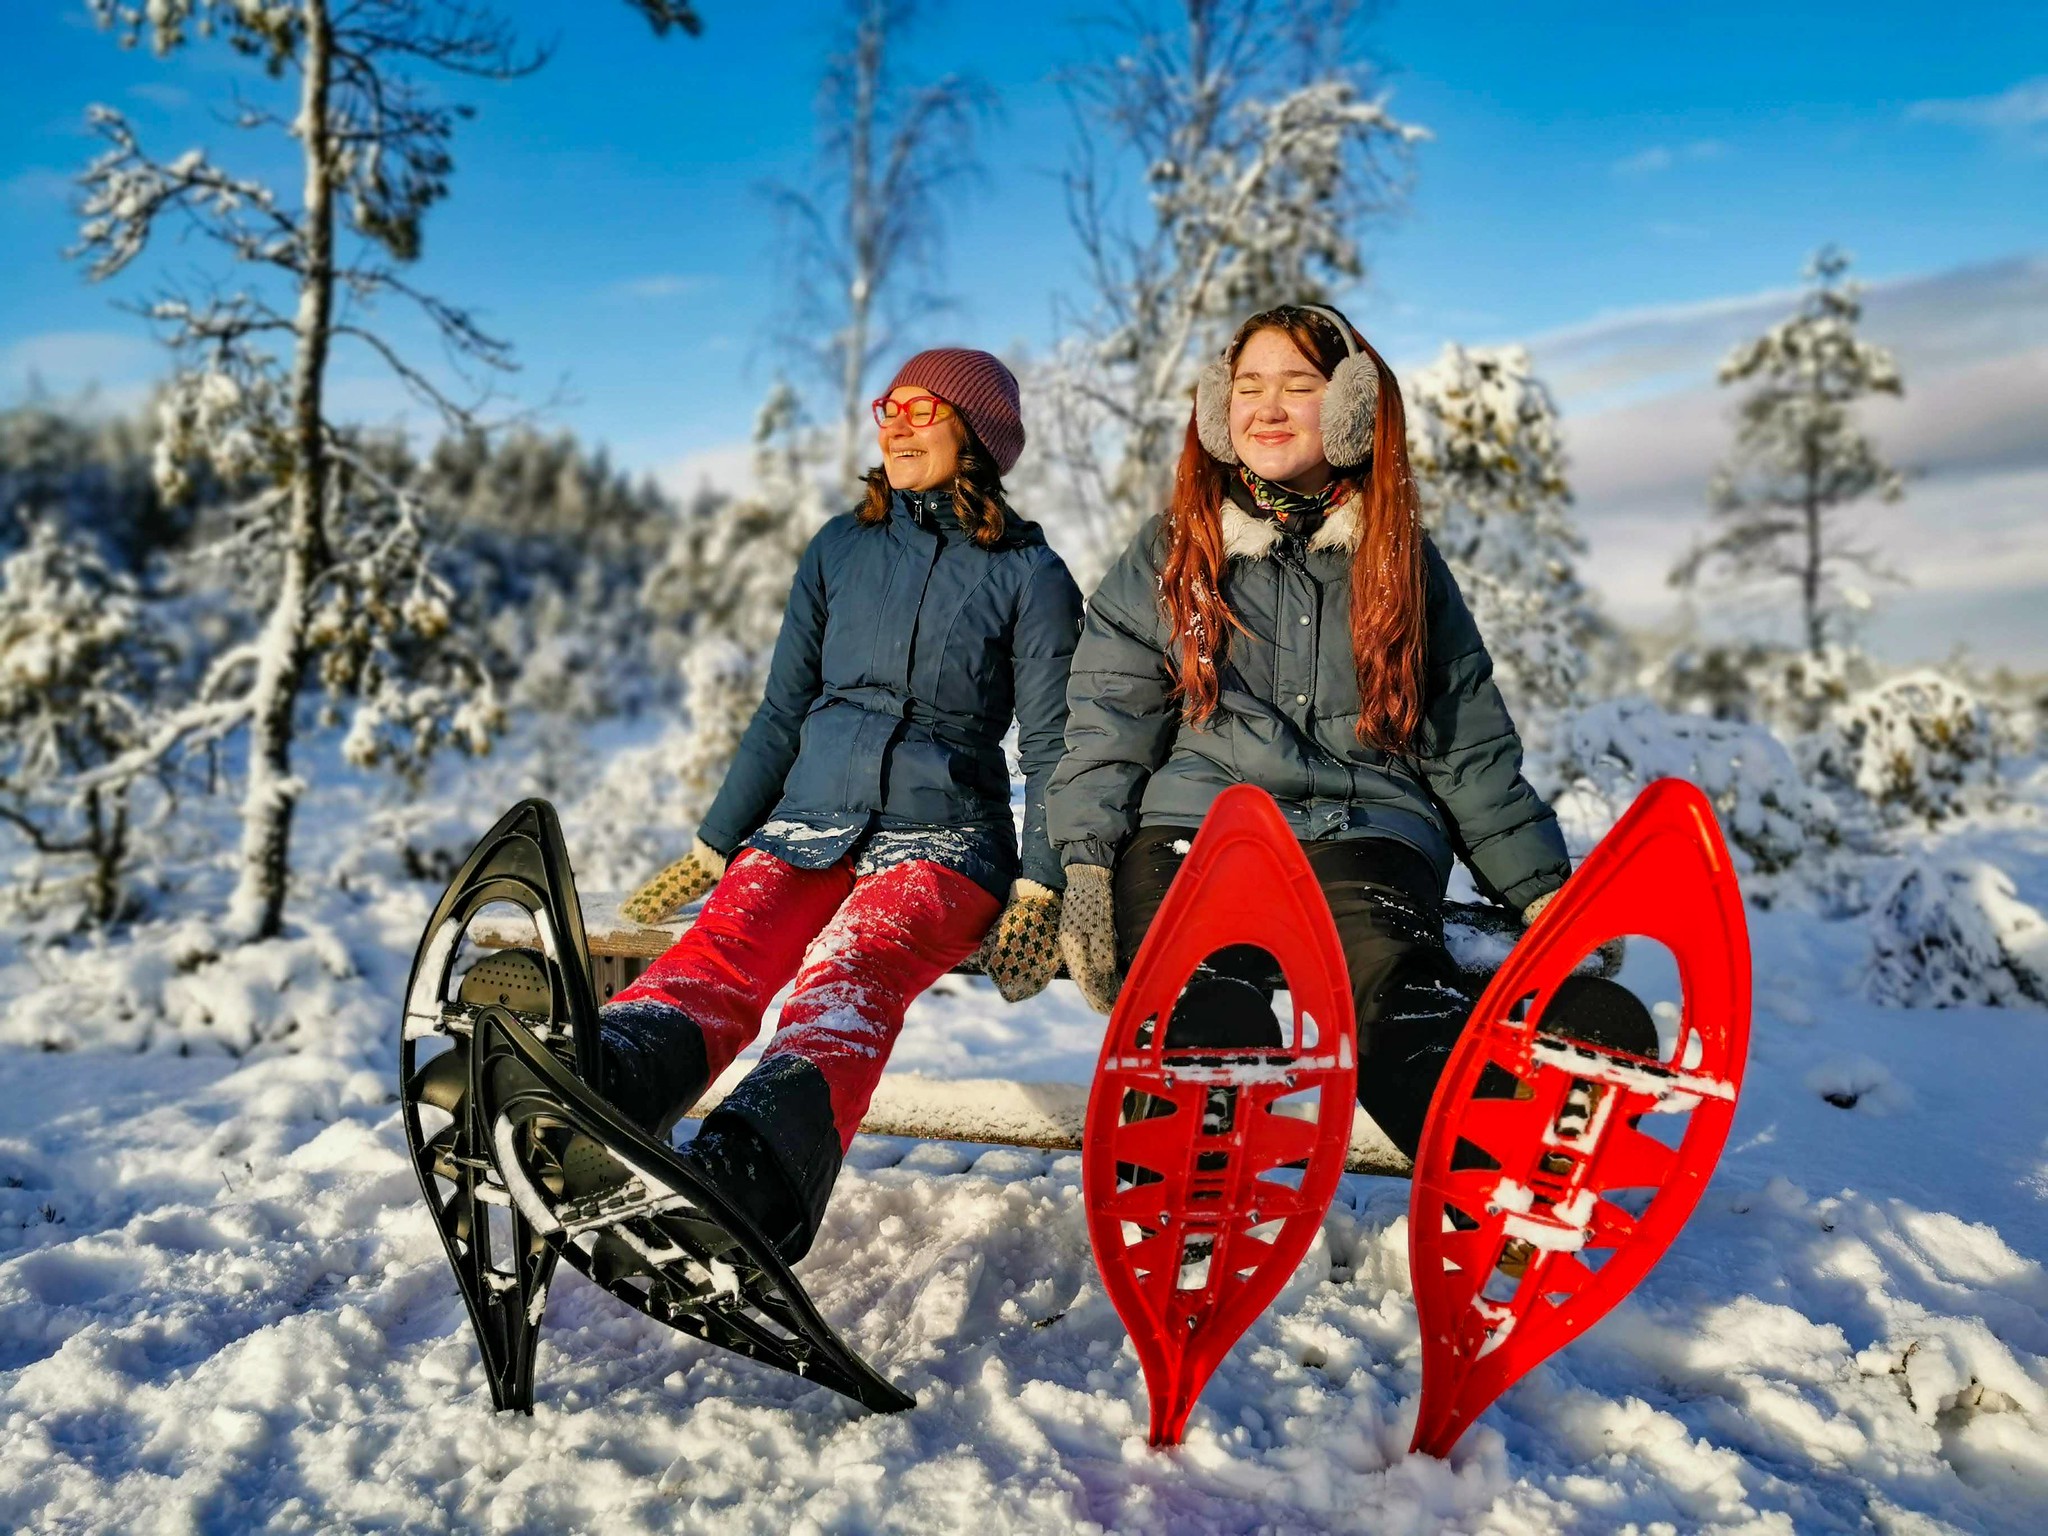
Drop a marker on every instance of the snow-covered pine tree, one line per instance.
(81, 660)
(890, 154)
(1262, 147)
(726, 580)
(1489, 465)
(335, 552)
(91, 471)
(1800, 458)
(729, 567)
(555, 543)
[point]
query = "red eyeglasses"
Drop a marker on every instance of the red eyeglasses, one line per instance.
(922, 410)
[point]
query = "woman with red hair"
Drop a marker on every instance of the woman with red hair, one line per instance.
(1286, 623)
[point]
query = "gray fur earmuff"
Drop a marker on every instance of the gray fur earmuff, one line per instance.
(1349, 404)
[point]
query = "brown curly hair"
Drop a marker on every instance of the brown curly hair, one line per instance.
(977, 492)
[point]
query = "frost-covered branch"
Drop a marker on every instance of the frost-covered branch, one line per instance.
(1261, 161)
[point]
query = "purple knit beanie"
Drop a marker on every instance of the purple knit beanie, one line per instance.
(980, 388)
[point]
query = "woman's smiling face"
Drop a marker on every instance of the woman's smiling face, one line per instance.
(1276, 412)
(920, 458)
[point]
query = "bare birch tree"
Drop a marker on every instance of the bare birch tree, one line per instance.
(334, 548)
(1263, 150)
(890, 153)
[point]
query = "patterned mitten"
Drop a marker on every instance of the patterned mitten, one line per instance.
(1606, 959)
(1088, 935)
(677, 886)
(1022, 950)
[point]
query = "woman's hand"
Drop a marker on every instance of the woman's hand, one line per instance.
(1088, 935)
(676, 886)
(1022, 950)
(1606, 959)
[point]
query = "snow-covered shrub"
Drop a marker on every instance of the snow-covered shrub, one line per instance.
(1798, 691)
(1789, 692)
(723, 686)
(1917, 747)
(1955, 933)
(1488, 454)
(82, 658)
(1606, 753)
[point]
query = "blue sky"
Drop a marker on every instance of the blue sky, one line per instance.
(1591, 165)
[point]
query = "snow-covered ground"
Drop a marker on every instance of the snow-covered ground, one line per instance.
(222, 1307)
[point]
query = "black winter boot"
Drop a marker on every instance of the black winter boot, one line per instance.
(737, 1162)
(773, 1145)
(653, 1064)
(1601, 1012)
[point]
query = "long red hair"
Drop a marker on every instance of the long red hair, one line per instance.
(1387, 581)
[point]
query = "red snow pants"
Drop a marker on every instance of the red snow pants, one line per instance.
(859, 949)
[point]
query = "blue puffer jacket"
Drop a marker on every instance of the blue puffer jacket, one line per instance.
(904, 653)
(1286, 715)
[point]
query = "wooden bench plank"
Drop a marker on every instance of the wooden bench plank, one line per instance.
(983, 1111)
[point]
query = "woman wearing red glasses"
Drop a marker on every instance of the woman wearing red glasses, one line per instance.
(862, 844)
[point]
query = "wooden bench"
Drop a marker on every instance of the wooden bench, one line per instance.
(987, 1111)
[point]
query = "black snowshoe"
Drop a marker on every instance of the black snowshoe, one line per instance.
(534, 1165)
(637, 1218)
(501, 1263)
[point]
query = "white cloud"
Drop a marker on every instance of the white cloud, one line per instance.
(161, 94)
(660, 285)
(727, 467)
(39, 184)
(2018, 111)
(1662, 157)
(106, 370)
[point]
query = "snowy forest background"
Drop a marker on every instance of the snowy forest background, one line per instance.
(266, 669)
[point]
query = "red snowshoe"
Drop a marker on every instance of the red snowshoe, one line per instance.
(1520, 1236)
(1206, 1173)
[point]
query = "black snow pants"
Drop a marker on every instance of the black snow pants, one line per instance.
(1410, 997)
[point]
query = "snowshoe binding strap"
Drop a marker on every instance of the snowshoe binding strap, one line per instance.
(1528, 1217)
(638, 1220)
(1203, 1190)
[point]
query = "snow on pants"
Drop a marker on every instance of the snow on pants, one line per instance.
(859, 950)
(1410, 998)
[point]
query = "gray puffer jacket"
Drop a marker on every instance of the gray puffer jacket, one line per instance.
(1286, 716)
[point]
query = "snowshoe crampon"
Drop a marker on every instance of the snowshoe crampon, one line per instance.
(501, 1263)
(637, 1219)
(1520, 1234)
(1206, 1173)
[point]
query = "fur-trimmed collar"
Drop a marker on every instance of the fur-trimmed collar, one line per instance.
(1253, 538)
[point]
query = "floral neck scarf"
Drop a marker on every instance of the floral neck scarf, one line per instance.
(1296, 513)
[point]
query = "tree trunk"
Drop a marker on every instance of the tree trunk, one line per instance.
(1809, 578)
(861, 218)
(257, 908)
(109, 851)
